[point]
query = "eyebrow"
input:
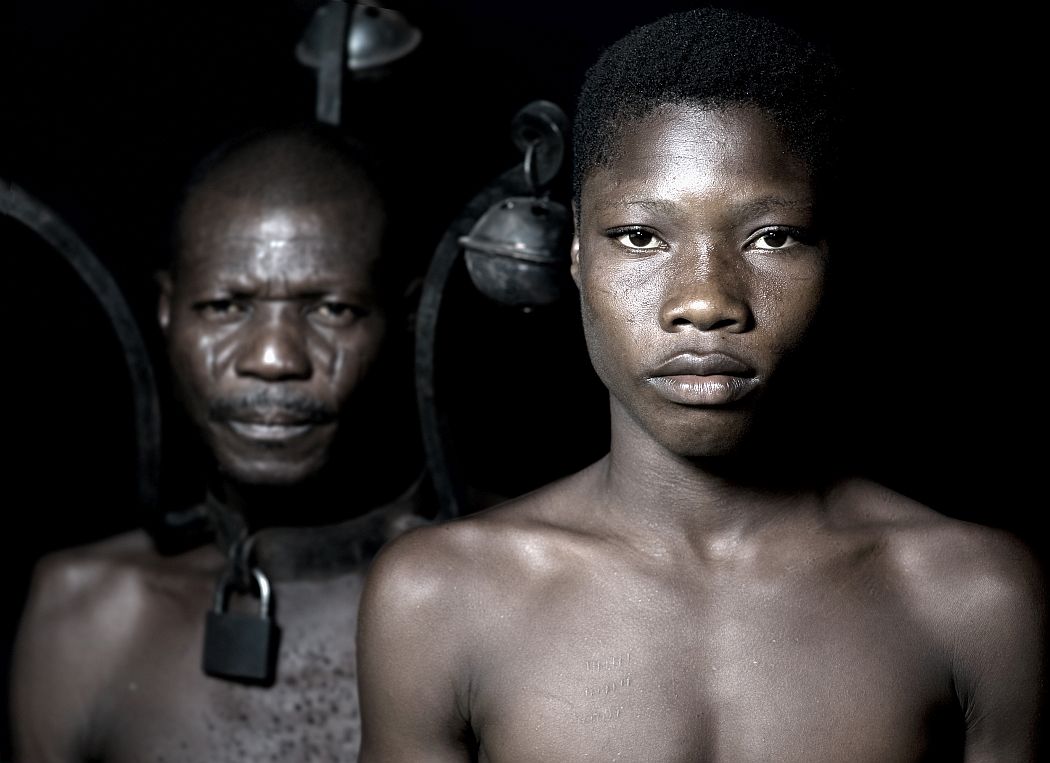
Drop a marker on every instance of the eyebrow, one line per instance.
(654, 205)
(745, 210)
(766, 204)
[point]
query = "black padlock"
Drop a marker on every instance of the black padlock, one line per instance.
(239, 646)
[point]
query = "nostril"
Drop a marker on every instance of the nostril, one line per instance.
(722, 324)
(700, 322)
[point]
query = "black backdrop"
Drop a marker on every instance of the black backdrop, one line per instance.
(105, 105)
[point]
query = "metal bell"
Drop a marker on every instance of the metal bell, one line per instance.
(378, 36)
(518, 251)
(356, 36)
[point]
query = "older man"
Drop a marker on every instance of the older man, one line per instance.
(277, 309)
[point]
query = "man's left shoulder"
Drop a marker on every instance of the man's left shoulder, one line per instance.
(950, 567)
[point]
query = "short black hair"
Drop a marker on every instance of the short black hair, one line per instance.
(711, 57)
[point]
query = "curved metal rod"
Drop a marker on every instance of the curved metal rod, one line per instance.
(17, 204)
(443, 466)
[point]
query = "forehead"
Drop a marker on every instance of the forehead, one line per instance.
(264, 238)
(682, 149)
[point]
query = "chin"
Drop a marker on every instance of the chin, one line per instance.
(712, 435)
(270, 473)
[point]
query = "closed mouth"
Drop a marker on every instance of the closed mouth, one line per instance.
(704, 379)
(703, 364)
(270, 431)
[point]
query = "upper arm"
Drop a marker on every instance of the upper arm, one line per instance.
(1000, 657)
(52, 684)
(410, 656)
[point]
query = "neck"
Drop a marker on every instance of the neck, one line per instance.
(310, 503)
(709, 500)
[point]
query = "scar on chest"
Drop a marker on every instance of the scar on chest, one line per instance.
(606, 698)
(608, 688)
(603, 715)
(617, 662)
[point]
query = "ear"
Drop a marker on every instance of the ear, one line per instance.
(164, 283)
(574, 253)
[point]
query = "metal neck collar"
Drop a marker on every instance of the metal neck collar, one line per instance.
(314, 552)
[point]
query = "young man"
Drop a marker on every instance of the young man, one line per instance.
(279, 311)
(705, 591)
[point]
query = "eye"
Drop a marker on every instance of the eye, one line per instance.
(338, 313)
(778, 238)
(334, 309)
(637, 238)
(220, 309)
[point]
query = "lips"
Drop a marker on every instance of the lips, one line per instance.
(269, 432)
(707, 379)
(270, 426)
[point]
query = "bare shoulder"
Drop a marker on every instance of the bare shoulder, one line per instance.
(103, 594)
(486, 550)
(73, 583)
(81, 584)
(87, 610)
(950, 568)
(979, 594)
(455, 578)
(429, 612)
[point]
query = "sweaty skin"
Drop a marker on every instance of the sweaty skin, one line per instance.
(109, 665)
(668, 603)
(273, 318)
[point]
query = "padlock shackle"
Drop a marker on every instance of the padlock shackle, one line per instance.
(262, 585)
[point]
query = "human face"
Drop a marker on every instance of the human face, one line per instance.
(273, 319)
(700, 267)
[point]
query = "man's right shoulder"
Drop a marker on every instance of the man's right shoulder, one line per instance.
(486, 542)
(479, 557)
(91, 613)
(79, 579)
(88, 590)
(86, 608)
(428, 566)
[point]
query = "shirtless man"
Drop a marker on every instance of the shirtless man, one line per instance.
(702, 593)
(275, 311)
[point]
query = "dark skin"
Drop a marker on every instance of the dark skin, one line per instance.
(273, 318)
(275, 332)
(677, 600)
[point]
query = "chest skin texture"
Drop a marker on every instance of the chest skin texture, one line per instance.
(166, 709)
(817, 662)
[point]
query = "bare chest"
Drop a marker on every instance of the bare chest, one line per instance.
(166, 709)
(688, 675)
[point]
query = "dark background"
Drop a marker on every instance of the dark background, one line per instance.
(105, 105)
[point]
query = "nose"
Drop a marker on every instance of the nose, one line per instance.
(708, 297)
(274, 347)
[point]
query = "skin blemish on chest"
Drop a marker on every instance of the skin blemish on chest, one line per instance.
(311, 715)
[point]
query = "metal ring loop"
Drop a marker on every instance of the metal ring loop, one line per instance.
(529, 165)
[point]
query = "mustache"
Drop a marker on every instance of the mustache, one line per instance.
(302, 409)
